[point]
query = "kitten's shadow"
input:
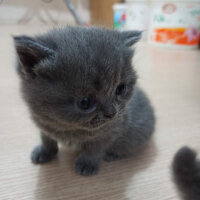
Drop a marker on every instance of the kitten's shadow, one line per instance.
(57, 180)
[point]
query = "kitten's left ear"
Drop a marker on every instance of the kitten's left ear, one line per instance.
(131, 37)
(30, 52)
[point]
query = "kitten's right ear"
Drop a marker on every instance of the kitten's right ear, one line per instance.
(30, 52)
(131, 37)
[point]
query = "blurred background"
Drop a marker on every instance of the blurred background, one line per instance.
(167, 23)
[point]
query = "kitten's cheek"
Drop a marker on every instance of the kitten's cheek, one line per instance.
(120, 110)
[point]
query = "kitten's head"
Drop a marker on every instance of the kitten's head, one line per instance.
(78, 76)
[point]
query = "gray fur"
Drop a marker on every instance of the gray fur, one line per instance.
(60, 68)
(186, 171)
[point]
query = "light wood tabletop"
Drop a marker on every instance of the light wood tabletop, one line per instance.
(171, 78)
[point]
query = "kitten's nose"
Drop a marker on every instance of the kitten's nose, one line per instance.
(110, 111)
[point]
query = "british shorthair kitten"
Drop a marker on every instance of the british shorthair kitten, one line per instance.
(80, 87)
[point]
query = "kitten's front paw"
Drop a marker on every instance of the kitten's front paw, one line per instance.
(39, 155)
(86, 167)
(109, 157)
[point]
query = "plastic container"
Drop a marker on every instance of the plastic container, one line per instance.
(119, 19)
(175, 23)
(137, 14)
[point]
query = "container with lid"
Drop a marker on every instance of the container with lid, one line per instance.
(137, 14)
(175, 23)
(119, 16)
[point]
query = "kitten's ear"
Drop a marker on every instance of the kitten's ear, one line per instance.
(131, 37)
(30, 52)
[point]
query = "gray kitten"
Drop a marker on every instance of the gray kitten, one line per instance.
(80, 87)
(186, 171)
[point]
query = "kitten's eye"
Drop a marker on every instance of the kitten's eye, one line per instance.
(87, 104)
(120, 89)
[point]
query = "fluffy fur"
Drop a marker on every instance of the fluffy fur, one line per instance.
(186, 170)
(66, 69)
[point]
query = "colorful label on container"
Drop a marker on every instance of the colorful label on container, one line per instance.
(119, 19)
(180, 36)
(175, 23)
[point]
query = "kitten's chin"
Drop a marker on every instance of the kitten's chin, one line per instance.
(93, 125)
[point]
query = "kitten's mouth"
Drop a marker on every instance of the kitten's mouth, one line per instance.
(97, 123)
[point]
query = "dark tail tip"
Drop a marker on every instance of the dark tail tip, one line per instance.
(184, 160)
(186, 173)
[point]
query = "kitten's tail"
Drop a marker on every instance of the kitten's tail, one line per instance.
(186, 171)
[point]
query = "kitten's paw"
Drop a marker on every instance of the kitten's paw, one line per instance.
(110, 156)
(39, 155)
(86, 167)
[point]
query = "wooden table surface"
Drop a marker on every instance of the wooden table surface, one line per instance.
(172, 80)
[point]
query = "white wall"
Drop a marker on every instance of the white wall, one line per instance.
(39, 12)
